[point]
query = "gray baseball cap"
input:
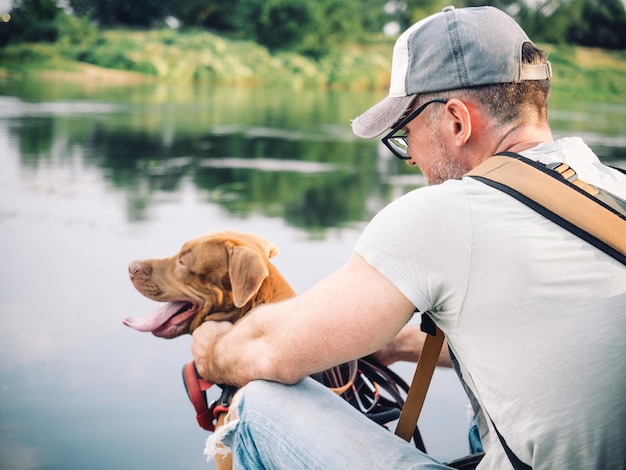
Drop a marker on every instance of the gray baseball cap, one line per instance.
(456, 48)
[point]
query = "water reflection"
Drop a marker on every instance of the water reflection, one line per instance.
(93, 177)
(307, 171)
(281, 154)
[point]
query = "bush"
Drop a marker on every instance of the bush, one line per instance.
(74, 30)
(117, 60)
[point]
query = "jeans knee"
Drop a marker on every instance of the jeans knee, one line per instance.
(256, 395)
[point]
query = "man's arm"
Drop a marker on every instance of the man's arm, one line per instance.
(350, 314)
(407, 346)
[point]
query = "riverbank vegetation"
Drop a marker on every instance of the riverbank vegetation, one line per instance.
(211, 47)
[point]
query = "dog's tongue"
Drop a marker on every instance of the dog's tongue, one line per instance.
(157, 318)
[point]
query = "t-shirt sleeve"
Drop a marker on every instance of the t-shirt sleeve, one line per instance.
(421, 243)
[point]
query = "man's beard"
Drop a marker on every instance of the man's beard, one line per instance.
(442, 167)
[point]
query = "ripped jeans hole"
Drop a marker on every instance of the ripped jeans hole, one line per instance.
(214, 444)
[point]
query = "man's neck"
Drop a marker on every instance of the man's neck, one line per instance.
(520, 147)
(524, 138)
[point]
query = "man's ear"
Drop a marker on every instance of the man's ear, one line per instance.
(459, 121)
(247, 271)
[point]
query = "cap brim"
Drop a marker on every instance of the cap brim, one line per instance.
(382, 116)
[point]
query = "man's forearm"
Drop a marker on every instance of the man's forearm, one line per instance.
(407, 346)
(237, 355)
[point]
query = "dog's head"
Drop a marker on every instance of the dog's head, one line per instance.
(213, 277)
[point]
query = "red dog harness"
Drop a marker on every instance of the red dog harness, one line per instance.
(196, 388)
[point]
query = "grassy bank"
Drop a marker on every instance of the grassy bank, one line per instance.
(120, 56)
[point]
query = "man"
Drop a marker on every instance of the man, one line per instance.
(533, 315)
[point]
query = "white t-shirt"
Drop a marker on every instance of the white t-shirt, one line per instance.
(535, 316)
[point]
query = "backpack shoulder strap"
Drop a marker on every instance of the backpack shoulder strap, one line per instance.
(569, 204)
(421, 380)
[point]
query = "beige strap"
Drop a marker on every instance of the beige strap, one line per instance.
(536, 71)
(557, 197)
(421, 381)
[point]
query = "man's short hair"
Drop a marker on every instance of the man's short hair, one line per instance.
(507, 102)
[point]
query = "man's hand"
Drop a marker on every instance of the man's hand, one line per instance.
(205, 338)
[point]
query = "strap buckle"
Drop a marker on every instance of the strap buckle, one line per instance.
(568, 173)
(427, 325)
(563, 169)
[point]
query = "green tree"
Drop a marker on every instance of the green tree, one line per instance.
(215, 15)
(592, 23)
(548, 21)
(308, 27)
(143, 13)
(418, 9)
(31, 20)
(601, 24)
(277, 24)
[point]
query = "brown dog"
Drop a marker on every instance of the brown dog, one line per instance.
(220, 276)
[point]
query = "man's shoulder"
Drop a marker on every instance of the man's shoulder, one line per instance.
(452, 195)
(444, 206)
(449, 190)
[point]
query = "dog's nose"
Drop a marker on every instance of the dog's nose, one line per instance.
(134, 268)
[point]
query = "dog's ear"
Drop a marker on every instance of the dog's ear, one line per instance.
(247, 271)
(266, 246)
(269, 248)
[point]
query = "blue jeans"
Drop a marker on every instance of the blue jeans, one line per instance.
(306, 426)
(475, 444)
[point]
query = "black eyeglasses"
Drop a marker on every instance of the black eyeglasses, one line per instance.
(396, 139)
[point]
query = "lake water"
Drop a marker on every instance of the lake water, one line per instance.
(92, 177)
